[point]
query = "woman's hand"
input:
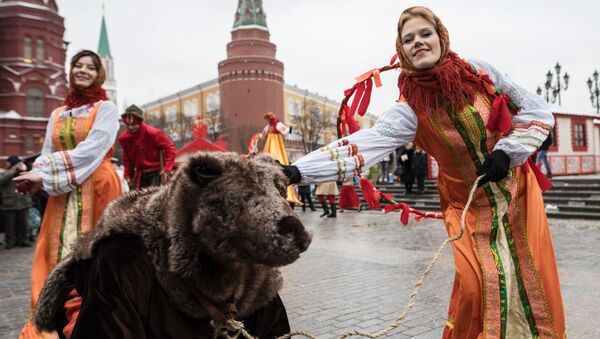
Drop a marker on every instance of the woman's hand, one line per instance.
(28, 182)
(292, 173)
(495, 167)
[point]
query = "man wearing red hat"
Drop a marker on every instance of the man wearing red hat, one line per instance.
(148, 154)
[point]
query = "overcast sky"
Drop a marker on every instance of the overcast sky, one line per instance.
(160, 47)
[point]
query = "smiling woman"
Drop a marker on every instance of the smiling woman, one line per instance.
(74, 168)
(475, 122)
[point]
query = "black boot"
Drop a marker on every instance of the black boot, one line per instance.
(310, 203)
(333, 211)
(325, 209)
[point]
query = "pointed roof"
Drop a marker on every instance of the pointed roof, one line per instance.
(103, 46)
(250, 14)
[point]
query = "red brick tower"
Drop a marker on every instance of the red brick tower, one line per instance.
(32, 72)
(250, 79)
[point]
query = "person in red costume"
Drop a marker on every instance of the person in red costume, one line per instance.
(148, 154)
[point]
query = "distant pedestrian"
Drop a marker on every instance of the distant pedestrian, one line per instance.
(14, 206)
(348, 196)
(384, 166)
(408, 174)
(420, 167)
(543, 155)
(327, 191)
(305, 197)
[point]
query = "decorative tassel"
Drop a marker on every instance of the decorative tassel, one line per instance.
(500, 119)
(370, 193)
(404, 214)
(407, 211)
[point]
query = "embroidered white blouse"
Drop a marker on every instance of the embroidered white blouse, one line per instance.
(398, 126)
(85, 157)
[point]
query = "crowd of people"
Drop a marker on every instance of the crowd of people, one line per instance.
(506, 281)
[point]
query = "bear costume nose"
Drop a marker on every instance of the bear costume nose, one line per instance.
(292, 225)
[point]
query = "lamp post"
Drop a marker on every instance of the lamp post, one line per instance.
(554, 89)
(594, 93)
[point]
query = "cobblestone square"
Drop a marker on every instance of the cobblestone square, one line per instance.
(359, 273)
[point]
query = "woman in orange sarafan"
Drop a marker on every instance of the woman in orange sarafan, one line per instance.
(75, 169)
(459, 111)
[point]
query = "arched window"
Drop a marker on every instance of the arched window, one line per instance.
(218, 100)
(195, 107)
(187, 108)
(35, 102)
(27, 47)
(39, 49)
(210, 103)
(171, 114)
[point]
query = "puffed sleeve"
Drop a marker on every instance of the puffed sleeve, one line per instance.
(339, 160)
(62, 171)
(47, 147)
(532, 123)
(282, 128)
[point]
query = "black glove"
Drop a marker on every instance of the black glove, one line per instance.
(495, 167)
(293, 173)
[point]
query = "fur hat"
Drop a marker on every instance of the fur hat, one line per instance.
(134, 111)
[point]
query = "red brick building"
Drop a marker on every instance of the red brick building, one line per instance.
(32, 72)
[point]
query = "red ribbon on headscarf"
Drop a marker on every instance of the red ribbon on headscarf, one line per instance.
(541, 178)
(500, 119)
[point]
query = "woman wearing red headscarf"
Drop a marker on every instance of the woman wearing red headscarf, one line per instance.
(506, 282)
(273, 134)
(74, 168)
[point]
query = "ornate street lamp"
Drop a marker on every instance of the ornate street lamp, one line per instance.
(595, 93)
(553, 91)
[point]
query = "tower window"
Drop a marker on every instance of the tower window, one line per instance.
(35, 102)
(39, 49)
(27, 47)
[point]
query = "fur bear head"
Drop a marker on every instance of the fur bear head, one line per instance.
(234, 209)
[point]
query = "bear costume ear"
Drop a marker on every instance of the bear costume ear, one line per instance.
(204, 169)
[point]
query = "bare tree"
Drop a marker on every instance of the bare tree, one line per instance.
(216, 124)
(245, 133)
(311, 123)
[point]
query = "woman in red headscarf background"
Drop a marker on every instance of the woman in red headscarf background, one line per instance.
(273, 134)
(506, 279)
(74, 168)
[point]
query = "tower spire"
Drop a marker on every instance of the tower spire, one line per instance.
(110, 84)
(103, 45)
(250, 14)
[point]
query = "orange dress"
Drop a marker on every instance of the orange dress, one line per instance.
(506, 282)
(71, 214)
(506, 279)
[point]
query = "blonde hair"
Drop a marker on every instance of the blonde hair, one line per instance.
(427, 14)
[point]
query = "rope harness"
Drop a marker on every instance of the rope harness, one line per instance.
(233, 329)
